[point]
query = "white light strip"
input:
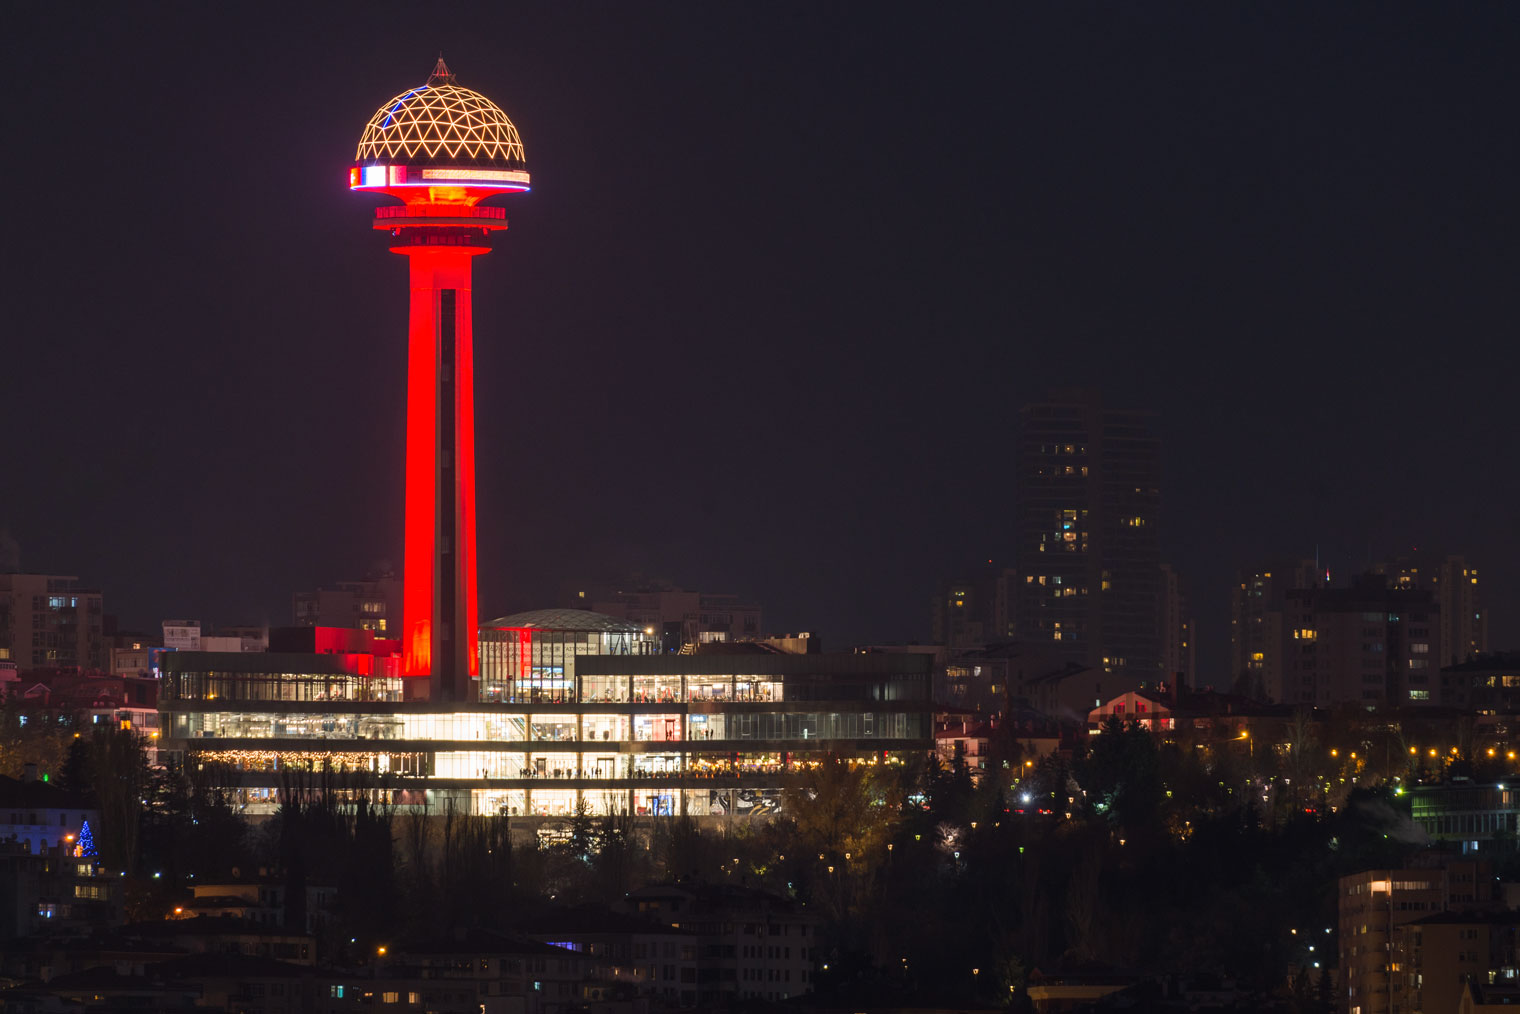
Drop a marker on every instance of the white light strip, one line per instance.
(487, 175)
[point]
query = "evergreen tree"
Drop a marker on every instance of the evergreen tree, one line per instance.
(85, 846)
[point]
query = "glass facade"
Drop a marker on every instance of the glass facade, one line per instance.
(588, 718)
(529, 658)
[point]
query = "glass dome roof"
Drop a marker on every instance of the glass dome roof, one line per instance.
(565, 619)
(441, 123)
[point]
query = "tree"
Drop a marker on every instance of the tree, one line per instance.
(1121, 776)
(85, 846)
(119, 776)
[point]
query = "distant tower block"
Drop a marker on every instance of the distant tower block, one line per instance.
(441, 149)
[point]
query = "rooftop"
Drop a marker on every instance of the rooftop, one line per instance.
(564, 619)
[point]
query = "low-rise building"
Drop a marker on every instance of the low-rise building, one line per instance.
(752, 946)
(42, 815)
(1470, 816)
(468, 971)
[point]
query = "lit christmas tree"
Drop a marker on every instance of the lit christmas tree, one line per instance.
(85, 848)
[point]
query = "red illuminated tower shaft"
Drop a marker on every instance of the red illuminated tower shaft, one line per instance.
(440, 149)
(440, 616)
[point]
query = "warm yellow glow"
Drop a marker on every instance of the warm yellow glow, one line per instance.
(1432, 751)
(441, 121)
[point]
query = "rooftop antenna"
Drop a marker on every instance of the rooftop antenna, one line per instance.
(441, 73)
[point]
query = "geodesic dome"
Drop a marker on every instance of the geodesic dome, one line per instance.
(440, 123)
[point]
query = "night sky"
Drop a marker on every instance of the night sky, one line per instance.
(786, 274)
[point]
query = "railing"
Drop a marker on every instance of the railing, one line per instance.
(439, 211)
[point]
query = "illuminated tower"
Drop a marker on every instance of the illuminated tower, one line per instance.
(441, 149)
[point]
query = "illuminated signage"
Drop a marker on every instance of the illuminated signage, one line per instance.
(483, 175)
(374, 175)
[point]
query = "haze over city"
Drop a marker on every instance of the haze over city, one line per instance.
(765, 323)
(638, 509)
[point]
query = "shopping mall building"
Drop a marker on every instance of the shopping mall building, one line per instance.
(573, 711)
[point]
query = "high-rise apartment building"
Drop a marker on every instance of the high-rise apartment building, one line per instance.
(1464, 621)
(1370, 644)
(48, 622)
(976, 610)
(1179, 652)
(1256, 625)
(1088, 548)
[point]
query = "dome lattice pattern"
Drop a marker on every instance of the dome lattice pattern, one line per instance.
(440, 122)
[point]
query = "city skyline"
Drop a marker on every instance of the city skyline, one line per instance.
(695, 401)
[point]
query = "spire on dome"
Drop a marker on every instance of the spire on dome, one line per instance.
(441, 73)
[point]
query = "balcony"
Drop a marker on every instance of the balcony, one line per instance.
(453, 211)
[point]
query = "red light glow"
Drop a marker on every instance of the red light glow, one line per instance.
(434, 268)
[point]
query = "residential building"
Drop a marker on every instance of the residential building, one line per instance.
(964, 741)
(1150, 711)
(1088, 553)
(372, 604)
(48, 622)
(1374, 904)
(42, 815)
(642, 954)
(1038, 676)
(134, 654)
(1179, 653)
(976, 610)
(752, 946)
(1464, 620)
(262, 899)
(676, 617)
(1370, 644)
(1257, 603)
(54, 890)
(1477, 998)
(470, 970)
(1436, 956)
(1487, 683)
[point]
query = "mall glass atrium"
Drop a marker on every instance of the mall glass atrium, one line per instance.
(576, 712)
